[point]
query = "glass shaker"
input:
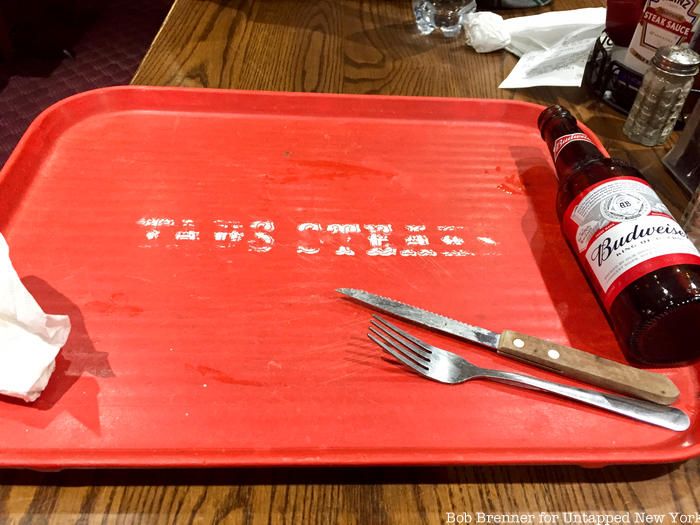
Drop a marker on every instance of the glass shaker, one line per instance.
(660, 99)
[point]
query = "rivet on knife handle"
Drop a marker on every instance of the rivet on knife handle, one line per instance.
(589, 368)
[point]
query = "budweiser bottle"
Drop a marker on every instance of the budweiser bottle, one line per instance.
(639, 261)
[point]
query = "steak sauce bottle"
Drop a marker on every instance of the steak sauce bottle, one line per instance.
(643, 268)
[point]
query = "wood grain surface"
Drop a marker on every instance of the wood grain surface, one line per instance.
(366, 47)
(338, 496)
(352, 46)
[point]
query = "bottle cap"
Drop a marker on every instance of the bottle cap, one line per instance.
(677, 60)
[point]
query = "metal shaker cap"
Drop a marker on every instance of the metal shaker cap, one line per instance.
(677, 60)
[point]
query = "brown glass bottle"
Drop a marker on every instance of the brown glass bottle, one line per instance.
(655, 308)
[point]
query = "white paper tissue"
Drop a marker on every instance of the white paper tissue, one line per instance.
(29, 338)
(553, 47)
(485, 31)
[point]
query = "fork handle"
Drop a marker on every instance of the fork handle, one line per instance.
(590, 368)
(660, 415)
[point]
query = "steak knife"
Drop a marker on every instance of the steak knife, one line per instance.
(562, 359)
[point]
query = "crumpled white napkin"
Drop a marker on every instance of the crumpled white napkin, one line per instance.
(29, 338)
(553, 47)
(485, 31)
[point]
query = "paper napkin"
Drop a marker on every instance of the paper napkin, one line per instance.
(553, 47)
(29, 338)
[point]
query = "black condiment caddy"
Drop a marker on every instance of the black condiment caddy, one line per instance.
(616, 84)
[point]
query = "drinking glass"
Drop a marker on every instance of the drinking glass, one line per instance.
(443, 15)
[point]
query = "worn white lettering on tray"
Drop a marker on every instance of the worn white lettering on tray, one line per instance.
(309, 226)
(417, 240)
(487, 240)
(454, 240)
(228, 232)
(263, 240)
(379, 239)
(313, 238)
(154, 225)
(347, 230)
(188, 233)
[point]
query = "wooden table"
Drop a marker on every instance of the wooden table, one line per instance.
(349, 46)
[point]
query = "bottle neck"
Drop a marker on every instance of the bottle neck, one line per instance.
(569, 145)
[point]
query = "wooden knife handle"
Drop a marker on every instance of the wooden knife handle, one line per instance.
(589, 367)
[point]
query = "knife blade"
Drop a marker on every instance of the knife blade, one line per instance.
(562, 359)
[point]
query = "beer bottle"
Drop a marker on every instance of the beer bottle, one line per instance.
(639, 261)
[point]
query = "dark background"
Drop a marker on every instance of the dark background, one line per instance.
(51, 49)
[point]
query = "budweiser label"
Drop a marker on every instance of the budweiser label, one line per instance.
(567, 139)
(621, 231)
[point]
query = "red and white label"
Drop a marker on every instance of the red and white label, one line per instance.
(658, 18)
(622, 231)
(567, 139)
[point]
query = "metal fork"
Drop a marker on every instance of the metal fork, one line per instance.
(446, 367)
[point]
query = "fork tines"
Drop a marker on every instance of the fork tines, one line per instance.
(403, 346)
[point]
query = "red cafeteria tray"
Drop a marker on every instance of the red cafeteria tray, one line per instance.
(196, 237)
